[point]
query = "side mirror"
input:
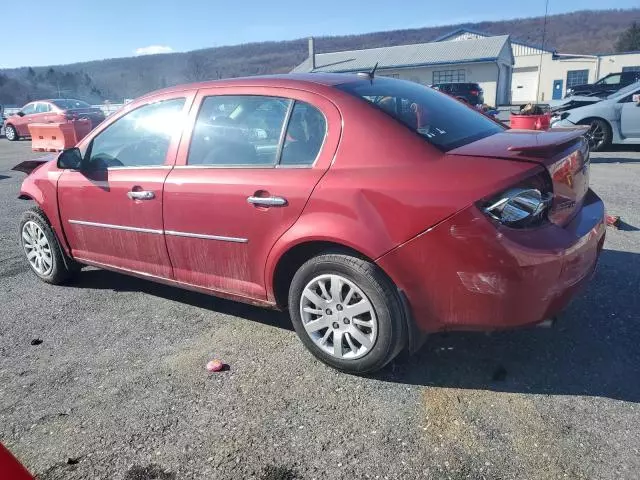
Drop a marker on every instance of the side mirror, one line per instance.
(20, 113)
(636, 99)
(70, 159)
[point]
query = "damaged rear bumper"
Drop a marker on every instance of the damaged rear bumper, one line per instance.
(466, 274)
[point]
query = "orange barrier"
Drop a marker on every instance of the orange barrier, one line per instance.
(54, 137)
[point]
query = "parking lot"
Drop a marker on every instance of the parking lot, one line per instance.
(118, 388)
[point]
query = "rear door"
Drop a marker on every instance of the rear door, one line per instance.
(242, 178)
(111, 211)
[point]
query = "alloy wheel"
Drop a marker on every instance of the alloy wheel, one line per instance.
(338, 317)
(37, 248)
(10, 133)
(595, 135)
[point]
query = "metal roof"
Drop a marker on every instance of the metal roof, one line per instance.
(446, 36)
(434, 53)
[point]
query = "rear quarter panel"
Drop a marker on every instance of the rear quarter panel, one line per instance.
(387, 185)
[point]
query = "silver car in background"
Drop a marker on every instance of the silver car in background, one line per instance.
(614, 120)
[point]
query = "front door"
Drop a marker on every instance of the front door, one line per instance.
(22, 125)
(630, 117)
(557, 90)
(112, 210)
(242, 178)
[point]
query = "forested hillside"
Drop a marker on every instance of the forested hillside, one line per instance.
(587, 32)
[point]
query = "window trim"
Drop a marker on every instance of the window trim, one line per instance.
(283, 133)
(575, 72)
(89, 147)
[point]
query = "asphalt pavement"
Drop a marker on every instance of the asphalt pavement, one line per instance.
(117, 388)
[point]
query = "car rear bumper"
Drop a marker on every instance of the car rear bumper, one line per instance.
(467, 274)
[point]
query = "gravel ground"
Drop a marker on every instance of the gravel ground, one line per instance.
(118, 390)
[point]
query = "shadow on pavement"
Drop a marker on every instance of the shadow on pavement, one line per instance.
(593, 350)
(107, 280)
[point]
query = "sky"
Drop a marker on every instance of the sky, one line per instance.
(53, 32)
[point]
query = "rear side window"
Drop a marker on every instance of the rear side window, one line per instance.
(238, 130)
(69, 104)
(441, 120)
(305, 135)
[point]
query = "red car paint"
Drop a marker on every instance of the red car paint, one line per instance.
(51, 111)
(376, 188)
(10, 467)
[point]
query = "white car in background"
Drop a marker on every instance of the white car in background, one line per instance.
(614, 120)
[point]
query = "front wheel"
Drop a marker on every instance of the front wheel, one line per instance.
(347, 313)
(599, 134)
(11, 133)
(42, 250)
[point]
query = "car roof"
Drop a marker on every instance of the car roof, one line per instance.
(282, 80)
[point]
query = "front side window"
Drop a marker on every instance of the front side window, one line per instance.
(610, 80)
(577, 77)
(305, 135)
(441, 120)
(29, 109)
(139, 138)
(238, 130)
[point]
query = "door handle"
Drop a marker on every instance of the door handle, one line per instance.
(267, 201)
(141, 195)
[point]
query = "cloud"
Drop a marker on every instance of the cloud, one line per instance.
(153, 49)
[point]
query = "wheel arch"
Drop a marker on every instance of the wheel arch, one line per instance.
(292, 258)
(586, 120)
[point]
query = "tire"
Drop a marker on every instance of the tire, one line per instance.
(599, 135)
(382, 331)
(50, 263)
(11, 133)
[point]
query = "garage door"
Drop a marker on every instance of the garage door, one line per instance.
(524, 85)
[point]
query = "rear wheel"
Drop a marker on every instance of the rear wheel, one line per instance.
(347, 313)
(599, 134)
(42, 250)
(11, 133)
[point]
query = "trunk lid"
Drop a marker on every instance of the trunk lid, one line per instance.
(563, 152)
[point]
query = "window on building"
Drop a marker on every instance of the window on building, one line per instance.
(631, 69)
(449, 76)
(577, 77)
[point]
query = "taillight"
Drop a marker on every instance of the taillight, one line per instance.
(524, 205)
(71, 116)
(475, 92)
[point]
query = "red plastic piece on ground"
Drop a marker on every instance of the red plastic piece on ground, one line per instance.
(613, 221)
(215, 366)
(530, 122)
(10, 467)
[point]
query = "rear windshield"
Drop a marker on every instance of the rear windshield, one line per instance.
(69, 104)
(442, 120)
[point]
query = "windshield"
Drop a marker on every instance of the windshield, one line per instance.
(70, 104)
(442, 120)
(626, 90)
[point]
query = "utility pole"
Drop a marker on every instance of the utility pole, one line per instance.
(544, 34)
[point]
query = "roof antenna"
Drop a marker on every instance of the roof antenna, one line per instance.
(373, 72)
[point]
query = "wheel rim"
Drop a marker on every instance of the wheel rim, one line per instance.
(338, 317)
(37, 248)
(10, 133)
(595, 135)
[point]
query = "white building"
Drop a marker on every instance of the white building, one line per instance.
(487, 61)
(545, 74)
(509, 72)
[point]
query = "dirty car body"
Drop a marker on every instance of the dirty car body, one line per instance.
(375, 210)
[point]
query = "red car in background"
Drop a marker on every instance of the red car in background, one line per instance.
(375, 210)
(57, 110)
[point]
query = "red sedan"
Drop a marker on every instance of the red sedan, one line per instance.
(57, 110)
(375, 210)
